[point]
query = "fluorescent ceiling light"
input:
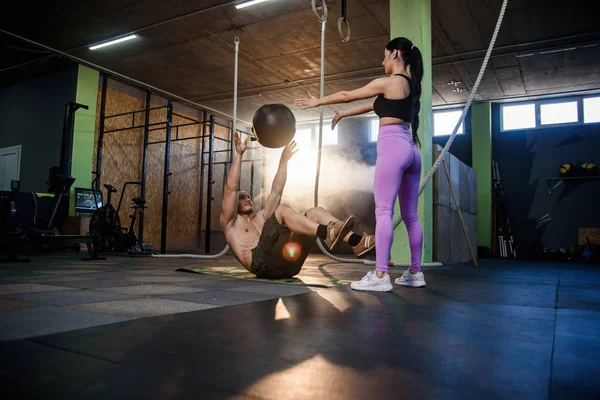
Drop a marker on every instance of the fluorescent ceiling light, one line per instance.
(557, 50)
(98, 46)
(249, 3)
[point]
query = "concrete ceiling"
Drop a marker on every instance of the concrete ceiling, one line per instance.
(186, 47)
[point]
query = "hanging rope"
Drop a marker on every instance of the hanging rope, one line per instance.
(323, 20)
(434, 168)
(437, 162)
(236, 43)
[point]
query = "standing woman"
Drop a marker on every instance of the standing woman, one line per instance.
(398, 165)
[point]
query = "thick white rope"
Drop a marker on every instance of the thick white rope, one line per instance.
(321, 95)
(233, 127)
(441, 156)
(434, 168)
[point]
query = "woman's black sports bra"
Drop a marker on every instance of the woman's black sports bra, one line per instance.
(399, 108)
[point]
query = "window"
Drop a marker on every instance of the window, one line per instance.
(304, 135)
(329, 136)
(373, 129)
(518, 117)
(444, 122)
(591, 109)
(558, 113)
(303, 138)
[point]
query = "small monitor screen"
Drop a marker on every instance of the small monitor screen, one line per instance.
(87, 200)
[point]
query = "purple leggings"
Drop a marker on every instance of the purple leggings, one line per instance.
(397, 173)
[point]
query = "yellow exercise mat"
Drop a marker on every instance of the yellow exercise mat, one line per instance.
(242, 273)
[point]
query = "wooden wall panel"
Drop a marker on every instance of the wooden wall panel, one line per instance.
(122, 162)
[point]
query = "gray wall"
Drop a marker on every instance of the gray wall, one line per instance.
(525, 159)
(449, 241)
(31, 115)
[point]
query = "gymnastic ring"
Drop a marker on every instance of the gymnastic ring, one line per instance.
(346, 38)
(314, 7)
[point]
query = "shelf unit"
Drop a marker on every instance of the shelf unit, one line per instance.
(582, 178)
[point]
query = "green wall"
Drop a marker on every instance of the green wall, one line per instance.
(412, 19)
(83, 134)
(481, 127)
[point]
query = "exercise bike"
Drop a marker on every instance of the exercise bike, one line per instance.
(139, 248)
(106, 223)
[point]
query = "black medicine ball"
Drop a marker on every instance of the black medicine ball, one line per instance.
(274, 125)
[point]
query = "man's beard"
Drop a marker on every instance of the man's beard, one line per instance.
(247, 212)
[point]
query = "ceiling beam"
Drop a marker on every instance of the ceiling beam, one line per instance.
(376, 72)
(438, 33)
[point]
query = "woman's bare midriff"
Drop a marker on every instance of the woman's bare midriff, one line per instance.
(392, 121)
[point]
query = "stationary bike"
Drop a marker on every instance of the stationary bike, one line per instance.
(105, 222)
(138, 204)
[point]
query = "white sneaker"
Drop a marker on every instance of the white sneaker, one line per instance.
(408, 279)
(371, 283)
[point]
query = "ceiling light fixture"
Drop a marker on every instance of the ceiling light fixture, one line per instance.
(115, 41)
(249, 3)
(557, 50)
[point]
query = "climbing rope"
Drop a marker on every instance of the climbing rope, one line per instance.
(236, 43)
(323, 20)
(440, 157)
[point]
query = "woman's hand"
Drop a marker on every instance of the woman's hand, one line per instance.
(338, 117)
(311, 102)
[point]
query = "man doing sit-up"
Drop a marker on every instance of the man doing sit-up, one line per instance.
(274, 243)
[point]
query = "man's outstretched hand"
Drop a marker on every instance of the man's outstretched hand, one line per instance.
(289, 151)
(239, 146)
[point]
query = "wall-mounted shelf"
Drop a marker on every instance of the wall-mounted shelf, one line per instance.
(582, 178)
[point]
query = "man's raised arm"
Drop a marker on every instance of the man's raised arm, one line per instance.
(274, 198)
(230, 196)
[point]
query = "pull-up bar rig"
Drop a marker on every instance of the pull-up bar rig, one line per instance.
(208, 123)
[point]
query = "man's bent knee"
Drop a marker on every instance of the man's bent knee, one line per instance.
(314, 210)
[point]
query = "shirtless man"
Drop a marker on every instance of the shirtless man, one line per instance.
(260, 243)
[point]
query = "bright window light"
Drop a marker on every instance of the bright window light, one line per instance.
(444, 122)
(123, 39)
(303, 138)
(518, 117)
(249, 3)
(558, 113)
(591, 109)
(373, 129)
(330, 137)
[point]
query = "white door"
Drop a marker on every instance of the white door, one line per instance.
(10, 162)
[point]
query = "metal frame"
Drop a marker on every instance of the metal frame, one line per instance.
(145, 162)
(166, 175)
(208, 132)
